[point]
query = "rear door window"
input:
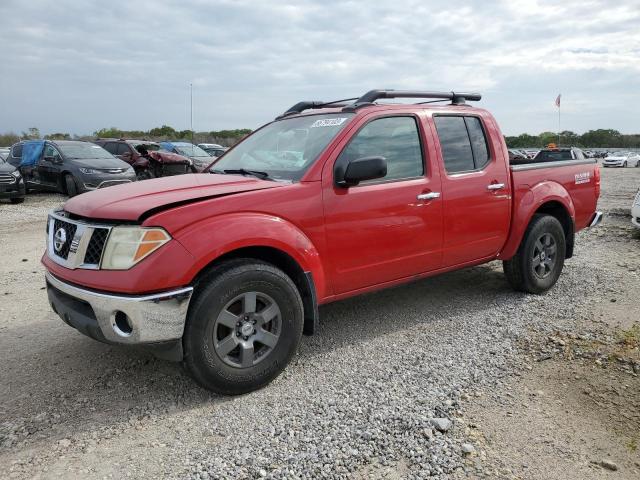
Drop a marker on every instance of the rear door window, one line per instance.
(111, 147)
(123, 148)
(463, 143)
(455, 144)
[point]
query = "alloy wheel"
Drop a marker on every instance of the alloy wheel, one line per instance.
(247, 329)
(544, 255)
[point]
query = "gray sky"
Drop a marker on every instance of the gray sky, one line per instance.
(76, 66)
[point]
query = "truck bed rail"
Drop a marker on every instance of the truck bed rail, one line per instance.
(559, 163)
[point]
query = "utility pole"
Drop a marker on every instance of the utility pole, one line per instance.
(191, 91)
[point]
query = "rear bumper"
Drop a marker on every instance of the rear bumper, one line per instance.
(597, 219)
(123, 319)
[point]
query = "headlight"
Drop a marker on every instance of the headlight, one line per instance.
(130, 170)
(87, 171)
(126, 246)
(16, 173)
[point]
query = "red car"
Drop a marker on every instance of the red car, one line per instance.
(147, 158)
(224, 272)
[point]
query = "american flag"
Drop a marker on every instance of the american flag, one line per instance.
(558, 100)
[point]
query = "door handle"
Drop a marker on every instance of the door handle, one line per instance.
(495, 186)
(429, 196)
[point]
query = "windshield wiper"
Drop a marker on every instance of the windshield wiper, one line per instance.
(244, 171)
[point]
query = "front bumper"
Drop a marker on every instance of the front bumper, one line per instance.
(15, 189)
(123, 319)
(617, 163)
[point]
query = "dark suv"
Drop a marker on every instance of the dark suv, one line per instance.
(69, 167)
(11, 182)
(147, 158)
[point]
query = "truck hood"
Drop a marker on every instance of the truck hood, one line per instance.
(133, 200)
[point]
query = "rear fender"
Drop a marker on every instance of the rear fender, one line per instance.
(217, 236)
(528, 201)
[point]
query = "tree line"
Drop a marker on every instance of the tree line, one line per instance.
(165, 132)
(601, 138)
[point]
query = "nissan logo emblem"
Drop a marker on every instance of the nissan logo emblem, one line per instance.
(59, 239)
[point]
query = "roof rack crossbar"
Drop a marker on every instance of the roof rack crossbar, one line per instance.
(302, 106)
(457, 98)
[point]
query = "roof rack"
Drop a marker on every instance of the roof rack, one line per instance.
(457, 98)
(302, 106)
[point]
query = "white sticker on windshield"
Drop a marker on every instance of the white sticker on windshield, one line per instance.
(329, 122)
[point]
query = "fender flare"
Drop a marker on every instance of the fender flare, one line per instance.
(251, 229)
(527, 204)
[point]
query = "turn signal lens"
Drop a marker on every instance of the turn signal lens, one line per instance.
(127, 246)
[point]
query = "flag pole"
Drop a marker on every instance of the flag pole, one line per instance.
(559, 129)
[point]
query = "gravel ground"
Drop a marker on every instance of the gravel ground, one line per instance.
(388, 388)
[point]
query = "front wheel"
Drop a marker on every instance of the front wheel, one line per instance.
(537, 264)
(17, 200)
(624, 164)
(70, 185)
(243, 327)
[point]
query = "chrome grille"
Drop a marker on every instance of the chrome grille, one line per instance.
(83, 245)
(96, 246)
(7, 178)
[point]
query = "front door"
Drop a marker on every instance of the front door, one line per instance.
(385, 229)
(476, 189)
(49, 166)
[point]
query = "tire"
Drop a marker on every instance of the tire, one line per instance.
(218, 328)
(532, 269)
(70, 185)
(624, 164)
(17, 200)
(144, 175)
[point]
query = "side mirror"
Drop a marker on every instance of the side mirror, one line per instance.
(49, 159)
(359, 170)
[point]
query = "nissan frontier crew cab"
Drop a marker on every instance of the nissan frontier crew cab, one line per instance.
(224, 271)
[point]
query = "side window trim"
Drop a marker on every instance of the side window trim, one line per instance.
(473, 153)
(423, 154)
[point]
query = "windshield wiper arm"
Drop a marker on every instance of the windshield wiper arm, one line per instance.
(244, 171)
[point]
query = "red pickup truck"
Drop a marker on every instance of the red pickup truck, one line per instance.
(225, 270)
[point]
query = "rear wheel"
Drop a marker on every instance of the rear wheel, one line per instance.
(70, 185)
(537, 264)
(243, 327)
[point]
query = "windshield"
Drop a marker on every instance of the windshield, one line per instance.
(546, 155)
(190, 151)
(83, 150)
(285, 149)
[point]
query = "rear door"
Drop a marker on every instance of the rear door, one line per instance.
(384, 229)
(475, 185)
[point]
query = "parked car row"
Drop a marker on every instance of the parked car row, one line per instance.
(73, 167)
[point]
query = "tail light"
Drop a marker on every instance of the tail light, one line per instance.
(597, 180)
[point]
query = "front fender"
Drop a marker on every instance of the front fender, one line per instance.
(527, 201)
(217, 236)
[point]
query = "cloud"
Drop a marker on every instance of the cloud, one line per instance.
(79, 66)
